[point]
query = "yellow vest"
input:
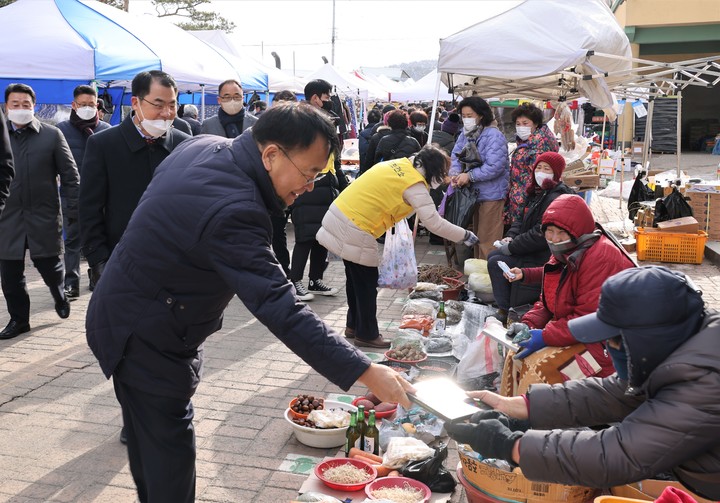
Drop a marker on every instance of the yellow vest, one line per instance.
(374, 202)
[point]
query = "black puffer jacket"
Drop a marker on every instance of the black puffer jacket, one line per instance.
(396, 145)
(309, 209)
(673, 425)
(529, 242)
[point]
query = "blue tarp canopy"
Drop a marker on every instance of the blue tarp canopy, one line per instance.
(84, 41)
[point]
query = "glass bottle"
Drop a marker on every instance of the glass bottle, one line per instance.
(352, 435)
(440, 319)
(372, 435)
(361, 427)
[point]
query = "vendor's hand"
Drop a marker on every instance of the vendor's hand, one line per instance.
(515, 329)
(517, 272)
(512, 423)
(531, 345)
(506, 239)
(514, 406)
(490, 438)
(470, 239)
(387, 384)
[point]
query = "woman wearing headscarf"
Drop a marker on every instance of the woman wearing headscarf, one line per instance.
(532, 139)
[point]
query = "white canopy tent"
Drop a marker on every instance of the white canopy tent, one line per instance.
(278, 80)
(347, 84)
(422, 90)
(547, 46)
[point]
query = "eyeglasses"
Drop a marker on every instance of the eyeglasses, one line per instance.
(309, 180)
(170, 107)
(227, 98)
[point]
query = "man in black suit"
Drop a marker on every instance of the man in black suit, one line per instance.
(119, 164)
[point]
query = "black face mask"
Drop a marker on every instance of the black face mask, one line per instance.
(327, 105)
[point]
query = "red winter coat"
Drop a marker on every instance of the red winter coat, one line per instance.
(572, 290)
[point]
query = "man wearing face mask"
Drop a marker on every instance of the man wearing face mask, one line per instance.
(583, 257)
(32, 218)
(83, 123)
(231, 119)
(662, 406)
(200, 236)
(120, 162)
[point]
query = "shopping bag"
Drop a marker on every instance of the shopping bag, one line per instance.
(460, 206)
(398, 267)
(672, 206)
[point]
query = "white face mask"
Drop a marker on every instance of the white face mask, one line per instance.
(419, 128)
(86, 113)
(523, 132)
(469, 124)
(540, 177)
(20, 116)
(232, 107)
(156, 128)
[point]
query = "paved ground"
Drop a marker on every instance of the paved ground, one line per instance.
(59, 421)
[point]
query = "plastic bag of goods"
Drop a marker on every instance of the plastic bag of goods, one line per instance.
(480, 283)
(475, 265)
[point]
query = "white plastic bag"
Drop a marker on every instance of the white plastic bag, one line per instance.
(398, 267)
(475, 265)
(400, 450)
(481, 358)
(480, 283)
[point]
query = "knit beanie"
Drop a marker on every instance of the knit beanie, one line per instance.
(452, 124)
(556, 162)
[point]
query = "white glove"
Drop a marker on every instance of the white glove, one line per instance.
(470, 239)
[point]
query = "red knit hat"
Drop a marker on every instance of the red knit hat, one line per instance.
(556, 162)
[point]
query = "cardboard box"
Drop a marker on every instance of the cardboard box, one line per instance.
(513, 485)
(650, 490)
(606, 167)
(582, 181)
(706, 210)
(687, 225)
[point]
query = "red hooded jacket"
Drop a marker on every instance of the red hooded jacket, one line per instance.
(572, 289)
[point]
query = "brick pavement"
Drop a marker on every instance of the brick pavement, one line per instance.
(59, 421)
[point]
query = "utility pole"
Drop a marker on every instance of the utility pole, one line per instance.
(332, 56)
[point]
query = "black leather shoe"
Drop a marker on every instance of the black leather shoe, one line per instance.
(72, 292)
(14, 328)
(123, 436)
(62, 308)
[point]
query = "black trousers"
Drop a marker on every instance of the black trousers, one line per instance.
(318, 260)
(502, 288)
(14, 285)
(279, 241)
(161, 444)
(361, 289)
(72, 253)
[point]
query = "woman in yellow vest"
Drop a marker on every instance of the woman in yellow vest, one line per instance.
(367, 208)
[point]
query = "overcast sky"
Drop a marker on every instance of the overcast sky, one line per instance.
(368, 32)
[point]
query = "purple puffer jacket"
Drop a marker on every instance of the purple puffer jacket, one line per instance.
(492, 176)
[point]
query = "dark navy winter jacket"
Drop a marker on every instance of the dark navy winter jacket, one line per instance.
(200, 235)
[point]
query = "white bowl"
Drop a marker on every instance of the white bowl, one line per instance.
(316, 437)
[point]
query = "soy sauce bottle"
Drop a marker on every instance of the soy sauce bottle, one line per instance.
(352, 436)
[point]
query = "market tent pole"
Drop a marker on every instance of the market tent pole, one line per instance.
(648, 132)
(202, 102)
(679, 127)
(433, 115)
(622, 160)
(602, 137)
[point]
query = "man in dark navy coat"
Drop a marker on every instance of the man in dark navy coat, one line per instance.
(200, 235)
